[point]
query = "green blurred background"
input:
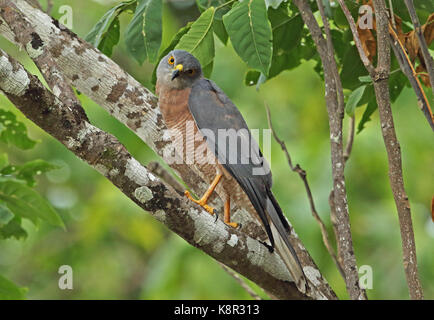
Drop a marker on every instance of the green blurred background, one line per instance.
(119, 252)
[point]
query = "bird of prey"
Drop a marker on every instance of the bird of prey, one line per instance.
(204, 121)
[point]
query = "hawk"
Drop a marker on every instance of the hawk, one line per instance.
(210, 134)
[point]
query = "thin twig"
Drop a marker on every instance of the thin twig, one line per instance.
(356, 37)
(428, 59)
(408, 69)
(381, 87)
(303, 176)
(240, 281)
(49, 7)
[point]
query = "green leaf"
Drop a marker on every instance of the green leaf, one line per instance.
(96, 33)
(251, 78)
(10, 291)
(3, 160)
(372, 106)
(207, 70)
(14, 132)
(273, 3)
(365, 79)
(27, 203)
(143, 34)
(352, 69)
(29, 170)
(199, 40)
(354, 99)
(110, 38)
(250, 33)
(5, 214)
(13, 229)
(203, 5)
(220, 31)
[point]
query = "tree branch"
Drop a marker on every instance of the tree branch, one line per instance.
(393, 149)
(107, 84)
(428, 59)
(104, 153)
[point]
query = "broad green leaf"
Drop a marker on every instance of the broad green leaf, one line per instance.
(365, 79)
(13, 229)
(14, 132)
(29, 170)
(207, 70)
(352, 69)
(221, 6)
(274, 3)
(96, 33)
(354, 99)
(250, 32)
(220, 31)
(10, 291)
(110, 38)
(27, 203)
(251, 78)
(3, 160)
(371, 107)
(143, 34)
(5, 214)
(199, 40)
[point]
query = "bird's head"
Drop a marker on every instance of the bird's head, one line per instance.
(178, 69)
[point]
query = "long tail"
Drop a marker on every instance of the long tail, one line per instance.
(280, 230)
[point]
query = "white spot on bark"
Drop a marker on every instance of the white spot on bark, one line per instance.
(143, 194)
(259, 256)
(34, 53)
(160, 215)
(233, 240)
(136, 172)
(12, 82)
(313, 275)
(208, 232)
(101, 169)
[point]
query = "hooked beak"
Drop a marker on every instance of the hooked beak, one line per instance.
(176, 71)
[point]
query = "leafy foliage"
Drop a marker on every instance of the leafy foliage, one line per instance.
(13, 132)
(143, 34)
(18, 199)
(10, 291)
(250, 32)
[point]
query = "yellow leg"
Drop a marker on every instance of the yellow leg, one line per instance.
(203, 201)
(228, 214)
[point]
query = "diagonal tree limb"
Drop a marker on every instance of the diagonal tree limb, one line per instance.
(123, 97)
(335, 114)
(104, 153)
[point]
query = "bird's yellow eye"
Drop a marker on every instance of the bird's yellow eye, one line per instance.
(171, 60)
(191, 72)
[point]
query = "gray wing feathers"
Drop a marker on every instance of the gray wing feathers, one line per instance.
(212, 110)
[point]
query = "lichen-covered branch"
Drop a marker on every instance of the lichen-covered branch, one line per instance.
(95, 75)
(105, 153)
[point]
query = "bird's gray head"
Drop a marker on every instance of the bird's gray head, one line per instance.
(178, 70)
